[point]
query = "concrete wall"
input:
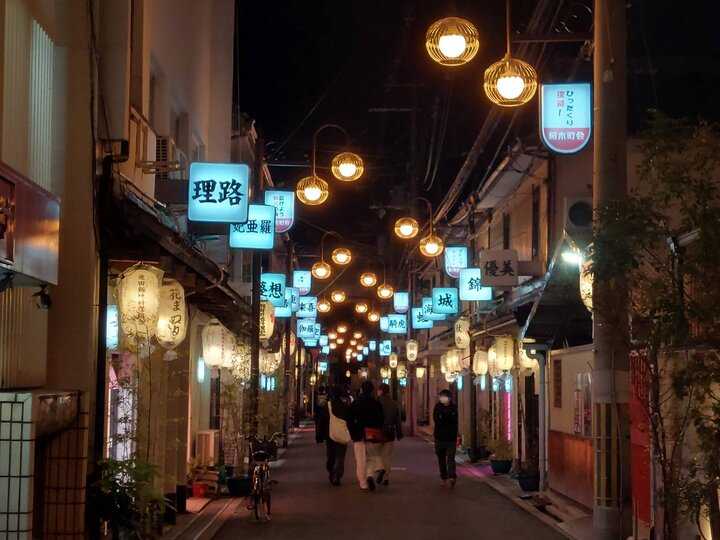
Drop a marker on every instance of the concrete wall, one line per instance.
(573, 362)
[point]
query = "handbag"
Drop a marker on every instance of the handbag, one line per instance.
(339, 432)
(374, 435)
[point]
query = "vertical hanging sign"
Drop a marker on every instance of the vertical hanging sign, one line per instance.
(258, 231)
(302, 280)
(307, 307)
(401, 302)
(218, 192)
(456, 258)
(272, 288)
(565, 116)
(284, 203)
(385, 347)
(471, 287)
(445, 300)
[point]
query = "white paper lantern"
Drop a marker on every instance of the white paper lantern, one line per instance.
(401, 370)
(411, 350)
(419, 372)
(364, 373)
(443, 363)
(228, 349)
(452, 361)
(212, 343)
(393, 360)
(462, 333)
(172, 315)
(139, 304)
(480, 362)
(267, 320)
(504, 351)
(493, 368)
(451, 377)
(385, 372)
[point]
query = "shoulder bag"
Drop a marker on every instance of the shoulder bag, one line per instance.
(338, 428)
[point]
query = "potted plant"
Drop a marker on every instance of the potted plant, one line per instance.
(501, 458)
(483, 423)
(529, 474)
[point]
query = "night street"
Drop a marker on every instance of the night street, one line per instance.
(414, 506)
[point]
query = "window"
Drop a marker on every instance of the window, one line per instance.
(582, 417)
(535, 222)
(557, 382)
(506, 231)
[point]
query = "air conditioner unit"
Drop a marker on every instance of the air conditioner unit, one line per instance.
(165, 158)
(207, 447)
(578, 219)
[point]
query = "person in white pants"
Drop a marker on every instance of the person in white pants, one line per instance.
(365, 425)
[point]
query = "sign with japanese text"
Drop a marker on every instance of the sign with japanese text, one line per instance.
(365, 351)
(385, 347)
(285, 311)
(310, 342)
(397, 323)
(306, 329)
(218, 192)
(284, 203)
(445, 300)
(272, 288)
(427, 309)
(383, 324)
(302, 280)
(372, 344)
(323, 340)
(307, 307)
(566, 116)
(258, 231)
(499, 267)
(456, 258)
(471, 287)
(420, 321)
(401, 302)
(294, 295)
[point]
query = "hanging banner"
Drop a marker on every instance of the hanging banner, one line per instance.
(471, 287)
(456, 258)
(401, 302)
(397, 324)
(427, 310)
(383, 324)
(218, 192)
(302, 280)
(285, 311)
(419, 320)
(385, 347)
(306, 329)
(284, 203)
(445, 300)
(267, 320)
(307, 307)
(258, 231)
(499, 267)
(566, 116)
(372, 345)
(272, 288)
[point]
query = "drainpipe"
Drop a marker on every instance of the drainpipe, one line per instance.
(539, 352)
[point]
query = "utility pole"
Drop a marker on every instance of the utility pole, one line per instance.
(288, 363)
(611, 513)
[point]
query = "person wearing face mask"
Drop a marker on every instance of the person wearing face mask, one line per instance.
(445, 417)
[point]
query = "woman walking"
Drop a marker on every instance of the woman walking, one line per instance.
(339, 436)
(392, 429)
(445, 417)
(366, 422)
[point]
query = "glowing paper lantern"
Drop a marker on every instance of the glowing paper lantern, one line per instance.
(411, 350)
(385, 372)
(393, 360)
(452, 361)
(419, 372)
(172, 315)
(504, 349)
(401, 370)
(139, 304)
(462, 333)
(213, 336)
(267, 320)
(480, 362)
(401, 302)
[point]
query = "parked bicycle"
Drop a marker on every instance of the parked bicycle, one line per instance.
(261, 452)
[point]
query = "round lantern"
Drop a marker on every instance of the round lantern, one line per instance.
(342, 328)
(323, 306)
(312, 190)
(385, 291)
(462, 333)
(480, 362)
(348, 374)
(338, 296)
(212, 343)
(452, 361)
(432, 245)
(357, 335)
(139, 304)
(411, 350)
(361, 307)
(341, 256)
(510, 82)
(504, 349)
(321, 270)
(419, 372)
(452, 41)
(393, 360)
(406, 228)
(368, 279)
(172, 315)
(267, 320)
(347, 166)
(373, 316)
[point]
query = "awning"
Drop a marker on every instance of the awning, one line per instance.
(140, 228)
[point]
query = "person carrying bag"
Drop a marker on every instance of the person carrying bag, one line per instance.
(365, 424)
(339, 435)
(391, 431)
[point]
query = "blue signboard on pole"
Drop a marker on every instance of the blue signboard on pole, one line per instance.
(284, 203)
(456, 258)
(218, 192)
(302, 280)
(470, 286)
(258, 231)
(419, 320)
(272, 288)
(397, 324)
(401, 302)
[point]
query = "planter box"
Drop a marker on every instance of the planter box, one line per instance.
(529, 481)
(501, 466)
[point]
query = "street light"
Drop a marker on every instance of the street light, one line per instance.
(338, 297)
(357, 335)
(321, 270)
(347, 167)
(385, 291)
(340, 341)
(510, 82)
(332, 335)
(312, 190)
(368, 279)
(452, 41)
(353, 342)
(341, 328)
(332, 346)
(406, 228)
(432, 245)
(361, 307)
(373, 316)
(323, 306)
(341, 256)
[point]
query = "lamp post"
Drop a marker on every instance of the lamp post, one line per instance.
(406, 227)
(452, 41)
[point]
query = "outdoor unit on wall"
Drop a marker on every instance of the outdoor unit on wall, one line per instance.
(578, 218)
(168, 159)
(207, 447)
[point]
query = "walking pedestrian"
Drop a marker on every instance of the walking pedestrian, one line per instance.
(339, 436)
(321, 416)
(445, 417)
(366, 422)
(392, 430)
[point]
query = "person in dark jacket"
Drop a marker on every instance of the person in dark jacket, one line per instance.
(321, 416)
(340, 402)
(392, 430)
(366, 419)
(445, 418)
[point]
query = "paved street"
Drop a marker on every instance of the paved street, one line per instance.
(414, 506)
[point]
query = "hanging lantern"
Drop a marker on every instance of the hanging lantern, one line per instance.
(451, 377)
(419, 372)
(586, 284)
(432, 245)
(357, 335)
(411, 350)
(323, 306)
(525, 361)
(443, 363)
(172, 315)
(342, 328)
(340, 340)
(406, 228)
(313, 379)
(341, 256)
(212, 343)
(333, 346)
(267, 320)
(385, 372)
(373, 316)
(452, 360)
(385, 291)
(393, 360)
(361, 307)
(493, 369)
(452, 41)
(139, 304)
(364, 372)
(347, 167)
(321, 270)
(401, 370)
(338, 296)
(510, 82)
(332, 335)
(348, 374)
(462, 333)
(504, 348)
(353, 342)
(480, 362)
(312, 190)
(368, 279)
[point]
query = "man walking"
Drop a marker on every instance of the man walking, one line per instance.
(392, 429)
(445, 417)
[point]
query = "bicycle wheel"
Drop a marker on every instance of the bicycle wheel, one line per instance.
(267, 499)
(259, 506)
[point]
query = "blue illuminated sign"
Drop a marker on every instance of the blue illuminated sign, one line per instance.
(385, 347)
(428, 310)
(359, 358)
(306, 329)
(307, 307)
(294, 298)
(470, 285)
(456, 258)
(566, 116)
(285, 310)
(323, 340)
(445, 300)
(383, 324)
(218, 192)
(372, 344)
(419, 320)
(284, 203)
(397, 324)
(272, 288)
(112, 334)
(310, 342)
(322, 366)
(365, 351)
(302, 280)
(401, 302)
(258, 232)
(325, 349)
